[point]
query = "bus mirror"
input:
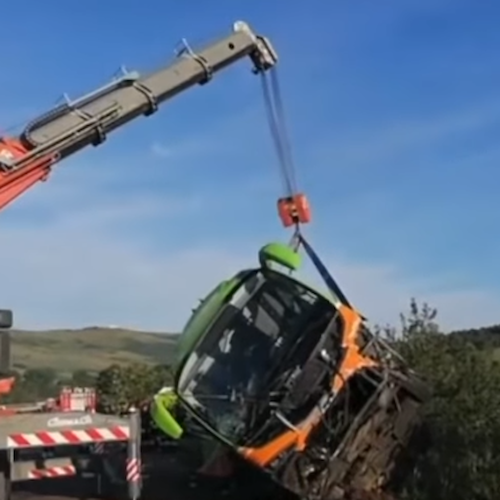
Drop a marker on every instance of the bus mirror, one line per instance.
(280, 254)
(160, 411)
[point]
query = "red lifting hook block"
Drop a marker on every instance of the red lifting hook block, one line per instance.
(294, 210)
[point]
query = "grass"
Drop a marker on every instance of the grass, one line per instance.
(88, 348)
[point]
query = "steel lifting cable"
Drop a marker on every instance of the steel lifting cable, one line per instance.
(294, 209)
(276, 119)
(277, 124)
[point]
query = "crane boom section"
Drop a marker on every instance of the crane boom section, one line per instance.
(86, 121)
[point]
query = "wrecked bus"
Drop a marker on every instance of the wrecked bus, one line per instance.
(292, 381)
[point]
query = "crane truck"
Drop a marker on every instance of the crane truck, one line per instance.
(28, 159)
(274, 372)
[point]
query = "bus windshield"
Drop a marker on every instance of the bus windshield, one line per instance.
(270, 322)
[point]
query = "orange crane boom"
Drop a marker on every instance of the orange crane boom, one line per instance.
(66, 129)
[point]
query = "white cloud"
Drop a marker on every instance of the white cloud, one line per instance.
(381, 292)
(374, 143)
(75, 270)
(226, 136)
(83, 266)
(188, 149)
(162, 151)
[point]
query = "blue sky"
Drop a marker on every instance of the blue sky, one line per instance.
(394, 113)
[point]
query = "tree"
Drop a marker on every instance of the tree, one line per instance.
(82, 378)
(462, 419)
(34, 385)
(118, 387)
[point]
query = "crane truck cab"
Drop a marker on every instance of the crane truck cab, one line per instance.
(6, 319)
(291, 380)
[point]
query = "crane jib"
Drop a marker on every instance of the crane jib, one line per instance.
(87, 121)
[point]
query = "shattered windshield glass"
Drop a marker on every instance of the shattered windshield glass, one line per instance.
(260, 339)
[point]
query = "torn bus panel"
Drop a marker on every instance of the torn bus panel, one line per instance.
(292, 381)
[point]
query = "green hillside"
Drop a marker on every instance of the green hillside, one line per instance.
(92, 348)
(96, 348)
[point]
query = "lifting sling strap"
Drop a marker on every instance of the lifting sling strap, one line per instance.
(322, 270)
(293, 208)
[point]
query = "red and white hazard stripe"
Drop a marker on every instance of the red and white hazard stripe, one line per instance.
(99, 448)
(93, 435)
(133, 470)
(68, 470)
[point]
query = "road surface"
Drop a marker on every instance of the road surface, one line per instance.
(171, 479)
